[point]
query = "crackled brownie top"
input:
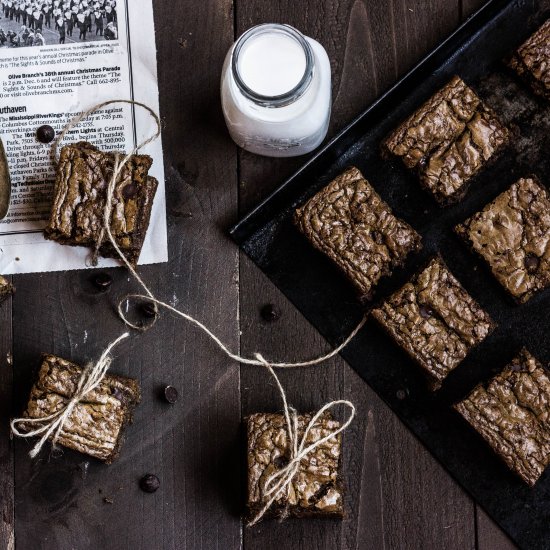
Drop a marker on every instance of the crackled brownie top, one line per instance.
(448, 139)
(434, 320)
(512, 413)
(6, 288)
(95, 425)
(316, 488)
(532, 60)
(512, 234)
(83, 174)
(353, 226)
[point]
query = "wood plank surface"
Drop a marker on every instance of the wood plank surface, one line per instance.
(71, 502)
(398, 496)
(7, 540)
(469, 7)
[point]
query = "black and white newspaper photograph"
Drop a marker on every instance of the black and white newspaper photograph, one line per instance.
(30, 23)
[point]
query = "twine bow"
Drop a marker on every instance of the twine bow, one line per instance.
(280, 481)
(52, 425)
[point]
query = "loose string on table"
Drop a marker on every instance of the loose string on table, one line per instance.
(280, 481)
(51, 426)
(235, 356)
(149, 296)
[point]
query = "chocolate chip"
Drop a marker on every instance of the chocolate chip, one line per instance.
(280, 461)
(149, 483)
(269, 313)
(377, 237)
(518, 367)
(45, 134)
(531, 262)
(425, 311)
(130, 191)
(56, 452)
(149, 309)
(102, 281)
(117, 394)
(320, 493)
(170, 394)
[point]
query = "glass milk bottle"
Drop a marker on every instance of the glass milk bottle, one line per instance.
(276, 91)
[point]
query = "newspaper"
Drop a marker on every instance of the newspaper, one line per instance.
(57, 59)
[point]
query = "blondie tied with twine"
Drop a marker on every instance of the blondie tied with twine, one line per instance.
(50, 427)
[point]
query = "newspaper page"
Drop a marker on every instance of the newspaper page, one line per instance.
(58, 58)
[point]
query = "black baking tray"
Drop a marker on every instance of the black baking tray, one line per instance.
(475, 52)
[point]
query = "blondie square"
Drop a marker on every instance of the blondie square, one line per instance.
(96, 424)
(316, 490)
(512, 413)
(357, 230)
(82, 178)
(434, 320)
(512, 234)
(448, 140)
(531, 61)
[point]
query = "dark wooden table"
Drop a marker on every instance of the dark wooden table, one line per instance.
(398, 496)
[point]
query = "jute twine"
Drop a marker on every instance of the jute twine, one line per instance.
(280, 481)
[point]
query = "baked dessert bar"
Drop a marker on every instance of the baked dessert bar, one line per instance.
(316, 490)
(448, 140)
(531, 61)
(512, 234)
(434, 320)
(76, 219)
(6, 288)
(512, 413)
(355, 228)
(96, 424)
